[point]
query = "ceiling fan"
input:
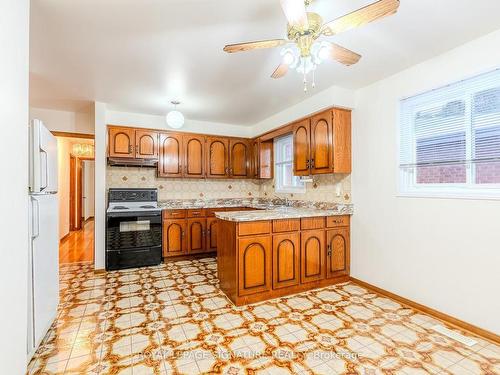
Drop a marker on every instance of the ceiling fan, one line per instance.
(303, 51)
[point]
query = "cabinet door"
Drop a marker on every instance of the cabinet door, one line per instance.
(194, 156)
(286, 257)
(255, 158)
(312, 254)
(217, 157)
(301, 148)
(174, 237)
(171, 163)
(146, 144)
(239, 166)
(196, 229)
(254, 265)
(341, 141)
(337, 254)
(212, 234)
(321, 143)
(121, 142)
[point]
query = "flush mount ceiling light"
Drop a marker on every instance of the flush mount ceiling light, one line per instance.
(175, 119)
(303, 51)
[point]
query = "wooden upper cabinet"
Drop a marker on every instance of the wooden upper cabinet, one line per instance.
(321, 159)
(239, 166)
(341, 140)
(312, 247)
(254, 255)
(338, 252)
(286, 258)
(301, 148)
(196, 229)
(194, 156)
(255, 158)
(146, 144)
(121, 142)
(217, 150)
(171, 155)
(174, 237)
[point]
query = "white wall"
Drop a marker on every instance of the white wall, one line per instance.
(88, 188)
(158, 122)
(443, 253)
(334, 96)
(14, 74)
(99, 116)
(64, 121)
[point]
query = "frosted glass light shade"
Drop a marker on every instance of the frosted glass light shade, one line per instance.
(175, 119)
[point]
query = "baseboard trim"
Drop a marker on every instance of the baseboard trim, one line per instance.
(452, 321)
(99, 271)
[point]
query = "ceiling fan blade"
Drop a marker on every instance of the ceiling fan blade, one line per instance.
(295, 13)
(343, 55)
(360, 17)
(280, 71)
(239, 47)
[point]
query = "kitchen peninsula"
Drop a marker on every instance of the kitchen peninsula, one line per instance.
(271, 253)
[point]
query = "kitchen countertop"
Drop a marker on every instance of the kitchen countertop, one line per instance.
(282, 213)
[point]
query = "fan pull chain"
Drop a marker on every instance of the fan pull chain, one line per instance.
(313, 85)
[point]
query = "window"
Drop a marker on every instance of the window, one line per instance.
(450, 140)
(285, 181)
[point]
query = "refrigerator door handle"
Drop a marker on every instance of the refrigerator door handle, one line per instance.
(46, 161)
(36, 216)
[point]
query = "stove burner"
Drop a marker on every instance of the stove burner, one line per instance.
(120, 208)
(148, 206)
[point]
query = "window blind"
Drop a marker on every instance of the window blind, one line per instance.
(452, 134)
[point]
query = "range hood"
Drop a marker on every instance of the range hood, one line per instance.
(132, 162)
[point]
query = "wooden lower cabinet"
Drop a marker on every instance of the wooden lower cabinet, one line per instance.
(254, 256)
(338, 254)
(286, 260)
(196, 235)
(312, 254)
(267, 259)
(211, 234)
(174, 237)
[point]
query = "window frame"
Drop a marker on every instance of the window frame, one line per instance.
(407, 185)
(298, 187)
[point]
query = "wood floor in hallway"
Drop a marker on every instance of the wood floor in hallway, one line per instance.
(79, 245)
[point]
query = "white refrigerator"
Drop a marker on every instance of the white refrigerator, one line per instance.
(43, 265)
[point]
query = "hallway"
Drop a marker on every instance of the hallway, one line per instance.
(79, 245)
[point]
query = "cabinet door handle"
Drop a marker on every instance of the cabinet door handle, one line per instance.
(182, 234)
(130, 149)
(329, 251)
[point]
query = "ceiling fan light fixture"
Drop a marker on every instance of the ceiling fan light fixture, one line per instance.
(175, 119)
(288, 56)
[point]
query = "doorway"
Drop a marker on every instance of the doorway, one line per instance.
(76, 197)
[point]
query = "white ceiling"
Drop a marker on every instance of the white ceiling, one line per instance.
(137, 55)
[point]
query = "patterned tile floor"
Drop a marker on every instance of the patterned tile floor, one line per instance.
(172, 319)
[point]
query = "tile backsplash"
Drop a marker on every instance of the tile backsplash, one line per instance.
(324, 188)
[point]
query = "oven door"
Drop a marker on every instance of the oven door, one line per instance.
(133, 240)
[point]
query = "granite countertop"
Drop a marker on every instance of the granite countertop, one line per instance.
(268, 209)
(282, 213)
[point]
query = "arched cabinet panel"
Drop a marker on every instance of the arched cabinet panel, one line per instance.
(301, 148)
(286, 258)
(337, 256)
(121, 142)
(171, 162)
(217, 157)
(174, 237)
(312, 255)
(239, 166)
(196, 235)
(146, 144)
(194, 156)
(254, 265)
(321, 143)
